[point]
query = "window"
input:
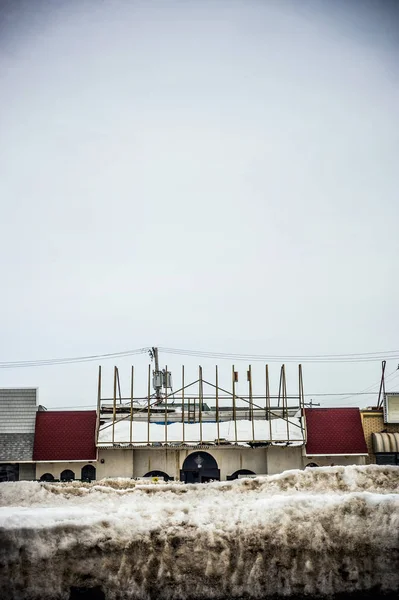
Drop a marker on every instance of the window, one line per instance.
(47, 477)
(159, 474)
(88, 473)
(241, 472)
(385, 458)
(67, 475)
(9, 472)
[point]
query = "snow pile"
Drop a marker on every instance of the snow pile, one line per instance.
(316, 532)
(275, 430)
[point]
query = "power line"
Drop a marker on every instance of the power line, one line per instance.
(70, 360)
(316, 358)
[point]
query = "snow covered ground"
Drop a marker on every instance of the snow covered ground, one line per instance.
(317, 532)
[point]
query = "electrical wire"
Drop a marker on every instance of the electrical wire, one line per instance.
(70, 360)
(317, 358)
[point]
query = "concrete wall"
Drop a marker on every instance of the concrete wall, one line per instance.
(117, 463)
(281, 459)
(328, 461)
(56, 468)
(171, 461)
(137, 463)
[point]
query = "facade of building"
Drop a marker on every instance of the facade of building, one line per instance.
(334, 437)
(189, 439)
(201, 432)
(64, 446)
(18, 407)
(382, 438)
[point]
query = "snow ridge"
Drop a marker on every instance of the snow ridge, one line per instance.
(316, 532)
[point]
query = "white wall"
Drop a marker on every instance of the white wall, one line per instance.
(327, 461)
(56, 468)
(136, 463)
(281, 459)
(117, 463)
(171, 461)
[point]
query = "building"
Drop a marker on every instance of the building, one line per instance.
(194, 436)
(18, 408)
(381, 430)
(189, 435)
(64, 446)
(334, 437)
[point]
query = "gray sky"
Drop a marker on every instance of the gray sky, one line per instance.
(218, 176)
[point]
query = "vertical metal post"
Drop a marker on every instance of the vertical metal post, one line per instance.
(301, 403)
(182, 395)
(251, 402)
(217, 405)
(301, 394)
(119, 385)
(148, 414)
(114, 408)
(285, 403)
(98, 403)
(131, 405)
(280, 386)
(234, 405)
(200, 400)
(382, 385)
(166, 405)
(268, 415)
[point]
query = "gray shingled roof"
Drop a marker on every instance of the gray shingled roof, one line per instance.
(15, 447)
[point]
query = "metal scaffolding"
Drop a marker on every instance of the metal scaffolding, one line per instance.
(189, 417)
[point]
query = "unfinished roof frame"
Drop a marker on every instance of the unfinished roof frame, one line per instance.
(190, 397)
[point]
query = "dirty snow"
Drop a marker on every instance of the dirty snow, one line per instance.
(315, 532)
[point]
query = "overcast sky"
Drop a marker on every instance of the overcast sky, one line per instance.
(218, 176)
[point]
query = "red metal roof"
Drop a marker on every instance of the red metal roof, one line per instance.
(65, 435)
(332, 431)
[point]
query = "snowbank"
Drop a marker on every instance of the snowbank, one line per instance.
(315, 532)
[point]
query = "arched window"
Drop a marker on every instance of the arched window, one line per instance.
(312, 465)
(47, 477)
(67, 475)
(88, 473)
(159, 474)
(239, 472)
(199, 467)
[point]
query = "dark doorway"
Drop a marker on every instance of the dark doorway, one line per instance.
(240, 472)
(88, 473)
(159, 474)
(82, 593)
(67, 475)
(9, 473)
(47, 477)
(199, 467)
(312, 465)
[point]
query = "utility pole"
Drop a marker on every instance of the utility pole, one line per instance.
(160, 379)
(157, 375)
